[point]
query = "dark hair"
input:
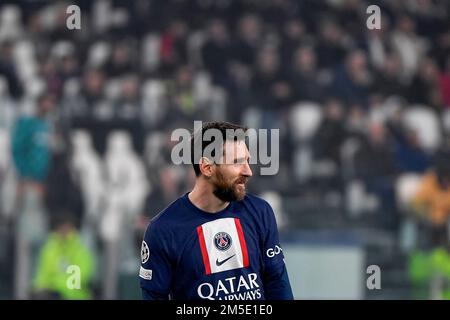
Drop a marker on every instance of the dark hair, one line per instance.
(222, 127)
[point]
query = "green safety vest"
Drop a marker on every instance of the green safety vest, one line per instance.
(65, 266)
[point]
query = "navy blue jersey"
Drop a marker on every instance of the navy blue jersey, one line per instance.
(233, 254)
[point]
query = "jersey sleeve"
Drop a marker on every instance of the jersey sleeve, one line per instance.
(275, 276)
(155, 274)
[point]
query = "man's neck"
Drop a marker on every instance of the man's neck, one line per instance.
(202, 197)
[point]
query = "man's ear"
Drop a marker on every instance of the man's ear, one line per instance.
(206, 167)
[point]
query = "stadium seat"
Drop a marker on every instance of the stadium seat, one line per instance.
(87, 167)
(153, 149)
(150, 51)
(405, 187)
(127, 188)
(112, 88)
(303, 163)
(358, 201)
(10, 23)
(62, 48)
(127, 180)
(195, 43)
(8, 179)
(7, 106)
(71, 87)
(4, 150)
(217, 105)
(252, 117)
(276, 202)
(202, 88)
(347, 153)
(34, 87)
(24, 55)
(3, 86)
(425, 122)
(305, 119)
(152, 101)
(98, 54)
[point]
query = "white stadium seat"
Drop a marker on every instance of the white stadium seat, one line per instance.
(88, 168)
(426, 123)
(305, 119)
(405, 187)
(150, 51)
(127, 181)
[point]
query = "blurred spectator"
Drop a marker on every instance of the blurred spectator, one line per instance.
(79, 108)
(58, 198)
(432, 200)
(173, 47)
(378, 44)
(331, 48)
(8, 69)
(31, 142)
(216, 52)
(410, 155)
(429, 271)
(69, 68)
(128, 110)
(161, 197)
(181, 93)
(240, 91)
(128, 106)
(52, 80)
(331, 133)
(62, 250)
(353, 79)
(374, 159)
(32, 157)
(350, 17)
(357, 122)
(327, 144)
(248, 39)
(294, 35)
(424, 88)
(121, 61)
(387, 80)
(408, 44)
(305, 76)
(444, 85)
(374, 164)
(270, 86)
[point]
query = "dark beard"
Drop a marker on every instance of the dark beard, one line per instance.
(224, 191)
(225, 194)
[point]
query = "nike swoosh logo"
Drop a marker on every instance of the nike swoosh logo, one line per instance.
(219, 263)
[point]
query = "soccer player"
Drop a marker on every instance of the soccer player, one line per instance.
(215, 242)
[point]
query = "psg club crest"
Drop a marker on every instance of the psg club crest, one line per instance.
(145, 252)
(222, 241)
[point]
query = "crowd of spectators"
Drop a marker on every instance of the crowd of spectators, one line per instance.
(136, 70)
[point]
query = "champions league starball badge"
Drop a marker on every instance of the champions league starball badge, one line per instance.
(145, 252)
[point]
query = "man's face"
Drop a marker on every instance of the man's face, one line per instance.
(230, 177)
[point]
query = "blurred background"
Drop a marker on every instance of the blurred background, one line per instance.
(364, 118)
